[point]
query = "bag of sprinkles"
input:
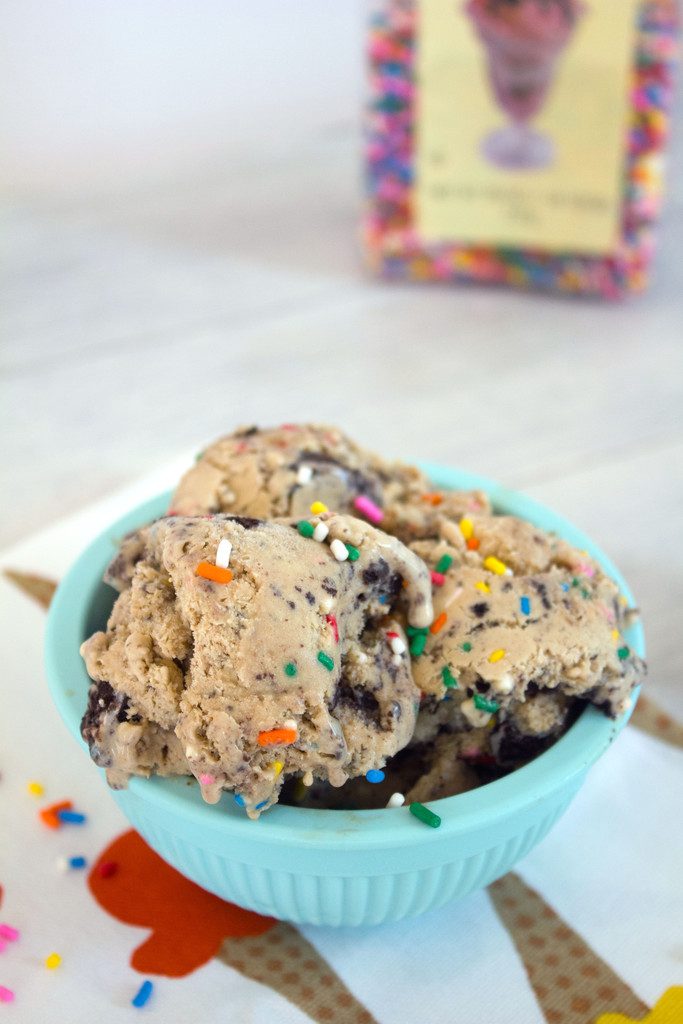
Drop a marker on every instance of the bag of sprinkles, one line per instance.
(518, 142)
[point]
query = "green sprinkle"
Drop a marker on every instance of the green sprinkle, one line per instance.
(354, 553)
(482, 704)
(466, 647)
(305, 528)
(417, 644)
(623, 652)
(576, 581)
(290, 669)
(585, 592)
(425, 815)
(326, 660)
(417, 631)
(444, 563)
(447, 677)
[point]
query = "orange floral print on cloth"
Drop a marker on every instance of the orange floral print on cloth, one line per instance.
(190, 926)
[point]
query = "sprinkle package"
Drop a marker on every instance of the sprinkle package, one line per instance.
(518, 143)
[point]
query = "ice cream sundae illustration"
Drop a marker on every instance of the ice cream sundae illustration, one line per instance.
(523, 41)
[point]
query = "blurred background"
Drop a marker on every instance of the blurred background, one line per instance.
(182, 187)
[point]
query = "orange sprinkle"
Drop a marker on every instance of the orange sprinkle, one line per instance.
(473, 543)
(48, 815)
(213, 572)
(276, 737)
(438, 623)
(433, 499)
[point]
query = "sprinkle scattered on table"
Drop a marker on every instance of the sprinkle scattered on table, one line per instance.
(143, 994)
(53, 961)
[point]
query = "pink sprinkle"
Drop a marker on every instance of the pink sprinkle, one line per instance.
(207, 780)
(108, 868)
(468, 752)
(8, 932)
(368, 508)
(332, 622)
(6, 995)
(438, 578)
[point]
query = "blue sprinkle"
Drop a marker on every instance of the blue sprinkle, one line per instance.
(565, 586)
(239, 800)
(262, 804)
(71, 817)
(375, 775)
(143, 994)
(382, 598)
(77, 862)
(525, 605)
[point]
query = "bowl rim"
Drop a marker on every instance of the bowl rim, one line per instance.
(311, 828)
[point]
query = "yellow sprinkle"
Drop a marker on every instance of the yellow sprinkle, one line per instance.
(495, 565)
(497, 655)
(615, 634)
(276, 767)
(35, 789)
(317, 508)
(466, 527)
(52, 961)
(484, 587)
(623, 600)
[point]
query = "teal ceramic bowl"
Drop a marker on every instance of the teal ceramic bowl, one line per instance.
(335, 867)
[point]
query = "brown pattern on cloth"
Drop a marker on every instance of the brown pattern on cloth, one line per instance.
(285, 961)
(650, 718)
(572, 984)
(39, 588)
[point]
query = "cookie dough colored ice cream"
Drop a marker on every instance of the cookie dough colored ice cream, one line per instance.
(523, 39)
(246, 651)
(519, 613)
(284, 470)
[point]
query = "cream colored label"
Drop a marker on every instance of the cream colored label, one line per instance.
(475, 181)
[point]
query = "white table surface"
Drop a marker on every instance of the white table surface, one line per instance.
(149, 311)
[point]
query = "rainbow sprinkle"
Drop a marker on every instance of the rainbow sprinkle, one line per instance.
(447, 678)
(367, 507)
(305, 528)
(375, 775)
(53, 961)
(326, 661)
(6, 994)
(425, 815)
(524, 605)
(495, 656)
(482, 704)
(143, 994)
(444, 564)
(394, 247)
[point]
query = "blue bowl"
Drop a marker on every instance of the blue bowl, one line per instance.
(335, 867)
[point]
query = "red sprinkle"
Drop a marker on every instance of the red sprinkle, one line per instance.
(332, 622)
(107, 868)
(438, 578)
(391, 635)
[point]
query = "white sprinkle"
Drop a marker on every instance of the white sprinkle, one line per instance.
(397, 659)
(508, 572)
(62, 865)
(326, 605)
(397, 645)
(361, 656)
(339, 550)
(289, 723)
(321, 531)
(191, 753)
(223, 552)
(396, 800)
(454, 596)
(304, 475)
(308, 779)
(505, 684)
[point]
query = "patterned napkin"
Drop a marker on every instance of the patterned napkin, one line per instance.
(589, 928)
